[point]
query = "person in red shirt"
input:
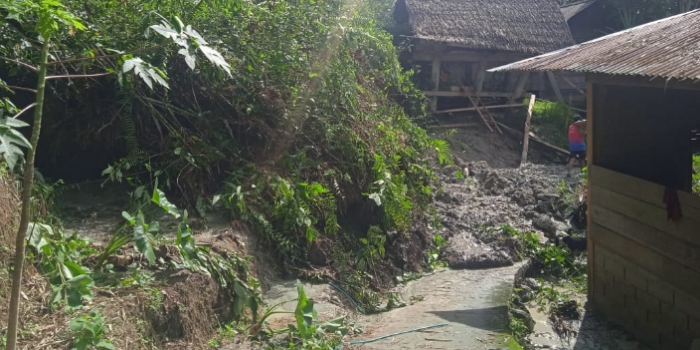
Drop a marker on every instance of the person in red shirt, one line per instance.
(577, 145)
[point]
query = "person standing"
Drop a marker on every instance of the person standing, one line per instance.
(577, 145)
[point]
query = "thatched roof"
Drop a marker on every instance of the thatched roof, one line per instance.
(525, 26)
(571, 10)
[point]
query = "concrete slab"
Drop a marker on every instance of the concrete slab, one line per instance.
(473, 303)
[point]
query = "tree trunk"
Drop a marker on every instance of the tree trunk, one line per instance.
(27, 183)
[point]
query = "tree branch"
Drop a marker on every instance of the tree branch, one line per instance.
(21, 88)
(73, 76)
(24, 110)
(104, 56)
(25, 65)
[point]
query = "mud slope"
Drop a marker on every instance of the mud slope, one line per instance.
(495, 192)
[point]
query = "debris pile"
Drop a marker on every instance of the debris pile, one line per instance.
(532, 198)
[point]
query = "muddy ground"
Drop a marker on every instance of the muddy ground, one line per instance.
(497, 191)
(493, 192)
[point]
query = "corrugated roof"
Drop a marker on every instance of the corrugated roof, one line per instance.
(668, 48)
(571, 10)
(524, 26)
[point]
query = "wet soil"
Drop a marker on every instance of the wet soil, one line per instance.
(527, 198)
(472, 299)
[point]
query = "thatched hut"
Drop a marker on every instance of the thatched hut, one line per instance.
(460, 39)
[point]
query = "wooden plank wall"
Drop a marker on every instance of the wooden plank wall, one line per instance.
(646, 273)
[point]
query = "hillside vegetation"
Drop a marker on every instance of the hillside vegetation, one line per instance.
(293, 116)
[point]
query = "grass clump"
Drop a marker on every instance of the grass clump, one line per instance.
(550, 121)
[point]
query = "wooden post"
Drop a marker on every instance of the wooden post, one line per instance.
(435, 78)
(476, 105)
(555, 86)
(590, 161)
(526, 133)
(480, 76)
(573, 86)
(519, 86)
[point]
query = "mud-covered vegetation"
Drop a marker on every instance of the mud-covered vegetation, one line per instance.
(294, 117)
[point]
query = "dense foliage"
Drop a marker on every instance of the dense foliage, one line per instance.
(300, 126)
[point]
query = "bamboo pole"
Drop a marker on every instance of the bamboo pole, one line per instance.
(469, 109)
(450, 126)
(526, 133)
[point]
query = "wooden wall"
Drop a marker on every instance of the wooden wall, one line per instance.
(645, 132)
(646, 270)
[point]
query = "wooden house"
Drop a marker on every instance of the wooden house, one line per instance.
(456, 41)
(644, 222)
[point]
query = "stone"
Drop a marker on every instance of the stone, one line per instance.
(546, 225)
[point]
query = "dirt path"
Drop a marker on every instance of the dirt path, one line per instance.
(473, 304)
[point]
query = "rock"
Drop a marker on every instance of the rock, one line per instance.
(319, 252)
(545, 207)
(531, 283)
(449, 170)
(444, 196)
(524, 197)
(525, 317)
(575, 243)
(481, 261)
(547, 197)
(478, 168)
(546, 225)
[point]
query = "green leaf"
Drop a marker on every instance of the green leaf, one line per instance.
(184, 237)
(153, 228)
(243, 297)
(82, 344)
(77, 289)
(165, 30)
(304, 312)
(75, 269)
(144, 243)
(36, 235)
(216, 58)
(190, 57)
(162, 201)
(311, 233)
(12, 141)
(335, 325)
(81, 282)
(57, 294)
(104, 344)
(376, 198)
(74, 300)
(145, 71)
(129, 218)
